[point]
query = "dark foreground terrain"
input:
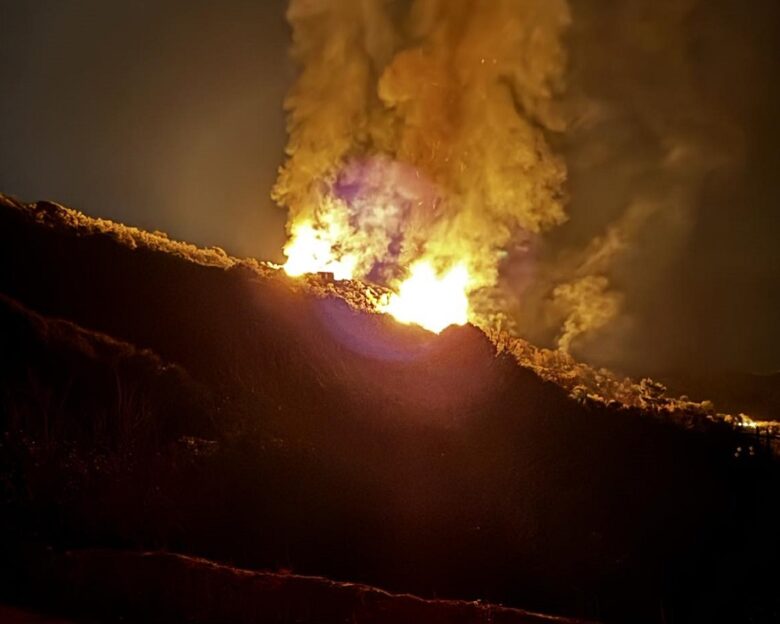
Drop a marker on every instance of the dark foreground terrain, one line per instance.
(159, 397)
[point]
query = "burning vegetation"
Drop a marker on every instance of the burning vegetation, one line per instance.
(417, 157)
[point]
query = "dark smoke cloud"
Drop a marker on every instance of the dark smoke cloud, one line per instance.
(669, 218)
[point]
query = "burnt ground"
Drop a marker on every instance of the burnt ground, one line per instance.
(160, 397)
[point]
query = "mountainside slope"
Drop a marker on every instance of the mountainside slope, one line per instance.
(305, 432)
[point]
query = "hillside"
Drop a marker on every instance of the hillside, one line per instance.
(160, 396)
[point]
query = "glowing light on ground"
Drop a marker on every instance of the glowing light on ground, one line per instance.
(430, 300)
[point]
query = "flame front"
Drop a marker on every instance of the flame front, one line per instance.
(426, 298)
(430, 300)
(311, 251)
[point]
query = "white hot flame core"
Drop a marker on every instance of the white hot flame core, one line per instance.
(311, 251)
(430, 300)
(426, 298)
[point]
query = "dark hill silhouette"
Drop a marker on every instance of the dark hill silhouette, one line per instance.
(311, 434)
(755, 394)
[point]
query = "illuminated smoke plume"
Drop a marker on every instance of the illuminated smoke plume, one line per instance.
(645, 137)
(417, 138)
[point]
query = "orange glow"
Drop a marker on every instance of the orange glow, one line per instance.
(429, 300)
(426, 298)
(311, 251)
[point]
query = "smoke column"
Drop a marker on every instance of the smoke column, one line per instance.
(417, 130)
(646, 138)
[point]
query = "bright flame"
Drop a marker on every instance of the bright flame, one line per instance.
(425, 298)
(311, 251)
(429, 300)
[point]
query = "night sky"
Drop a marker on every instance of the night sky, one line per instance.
(166, 114)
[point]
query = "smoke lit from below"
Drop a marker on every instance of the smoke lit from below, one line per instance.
(417, 153)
